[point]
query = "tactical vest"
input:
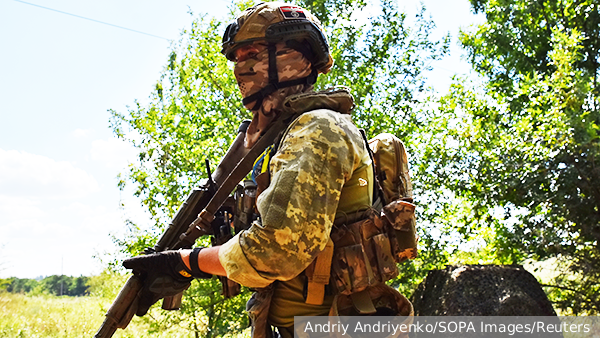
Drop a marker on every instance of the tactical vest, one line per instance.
(365, 245)
(365, 250)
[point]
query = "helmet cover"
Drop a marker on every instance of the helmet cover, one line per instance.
(278, 22)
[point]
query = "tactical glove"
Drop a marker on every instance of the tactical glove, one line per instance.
(163, 274)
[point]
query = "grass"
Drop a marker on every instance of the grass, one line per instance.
(24, 316)
(36, 315)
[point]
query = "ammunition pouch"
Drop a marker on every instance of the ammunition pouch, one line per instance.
(362, 256)
(366, 251)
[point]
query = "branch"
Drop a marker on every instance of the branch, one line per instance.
(562, 288)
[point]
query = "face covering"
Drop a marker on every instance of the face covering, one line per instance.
(253, 74)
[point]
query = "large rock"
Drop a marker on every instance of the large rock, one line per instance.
(481, 290)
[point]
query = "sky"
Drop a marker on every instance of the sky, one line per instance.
(63, 65)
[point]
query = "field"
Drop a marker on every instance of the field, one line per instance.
(24, 316)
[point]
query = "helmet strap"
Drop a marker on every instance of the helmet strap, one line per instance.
(273, 76)
(274, 83)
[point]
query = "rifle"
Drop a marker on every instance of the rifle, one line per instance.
(207, 211)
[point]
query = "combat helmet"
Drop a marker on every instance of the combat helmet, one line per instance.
(275, 22)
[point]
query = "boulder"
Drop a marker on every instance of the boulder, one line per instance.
(481, 290)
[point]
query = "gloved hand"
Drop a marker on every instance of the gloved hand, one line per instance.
(163, 274)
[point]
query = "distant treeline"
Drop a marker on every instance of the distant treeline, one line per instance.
(54, 285)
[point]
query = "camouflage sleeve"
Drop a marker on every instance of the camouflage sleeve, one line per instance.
(317, 155)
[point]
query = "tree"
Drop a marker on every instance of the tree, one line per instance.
(521, 154)
(21, 285)
(54, 285)
(195, 110)
(79, 286)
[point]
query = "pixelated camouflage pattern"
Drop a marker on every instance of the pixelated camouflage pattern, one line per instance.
(321, 150)
(318, 154)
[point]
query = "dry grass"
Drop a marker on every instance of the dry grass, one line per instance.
(25, 316)
(42, 316)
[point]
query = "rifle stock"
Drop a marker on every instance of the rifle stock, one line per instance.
(125, 304)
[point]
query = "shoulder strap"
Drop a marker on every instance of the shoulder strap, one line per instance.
(201, 225)
(378, 196)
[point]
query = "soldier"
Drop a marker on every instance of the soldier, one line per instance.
(319, 169)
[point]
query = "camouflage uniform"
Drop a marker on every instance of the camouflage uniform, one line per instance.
(319, 174)
(321, 168)
(320, 171)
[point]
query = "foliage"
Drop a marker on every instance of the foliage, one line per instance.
(4, 283)
(21, 285)
(214, 316)
(519, 153)
(48, 316)
(107, 284)
(53, 285)
(383, 60)
(193, 114)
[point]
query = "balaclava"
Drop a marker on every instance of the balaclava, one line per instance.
(253, 74)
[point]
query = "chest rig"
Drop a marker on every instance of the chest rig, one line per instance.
(364, 244)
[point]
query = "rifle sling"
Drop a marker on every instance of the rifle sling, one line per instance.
(201, 225)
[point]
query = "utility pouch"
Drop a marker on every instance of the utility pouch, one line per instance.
(384, 301)
(258, 311)
(362, 256)
(398, 219)
(386, 266)
(351, 269)
(398, 214)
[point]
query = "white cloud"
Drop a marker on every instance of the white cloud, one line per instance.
(57, 207)
(68, 232)
(113, 153)
(81, 133)
(23, 174)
